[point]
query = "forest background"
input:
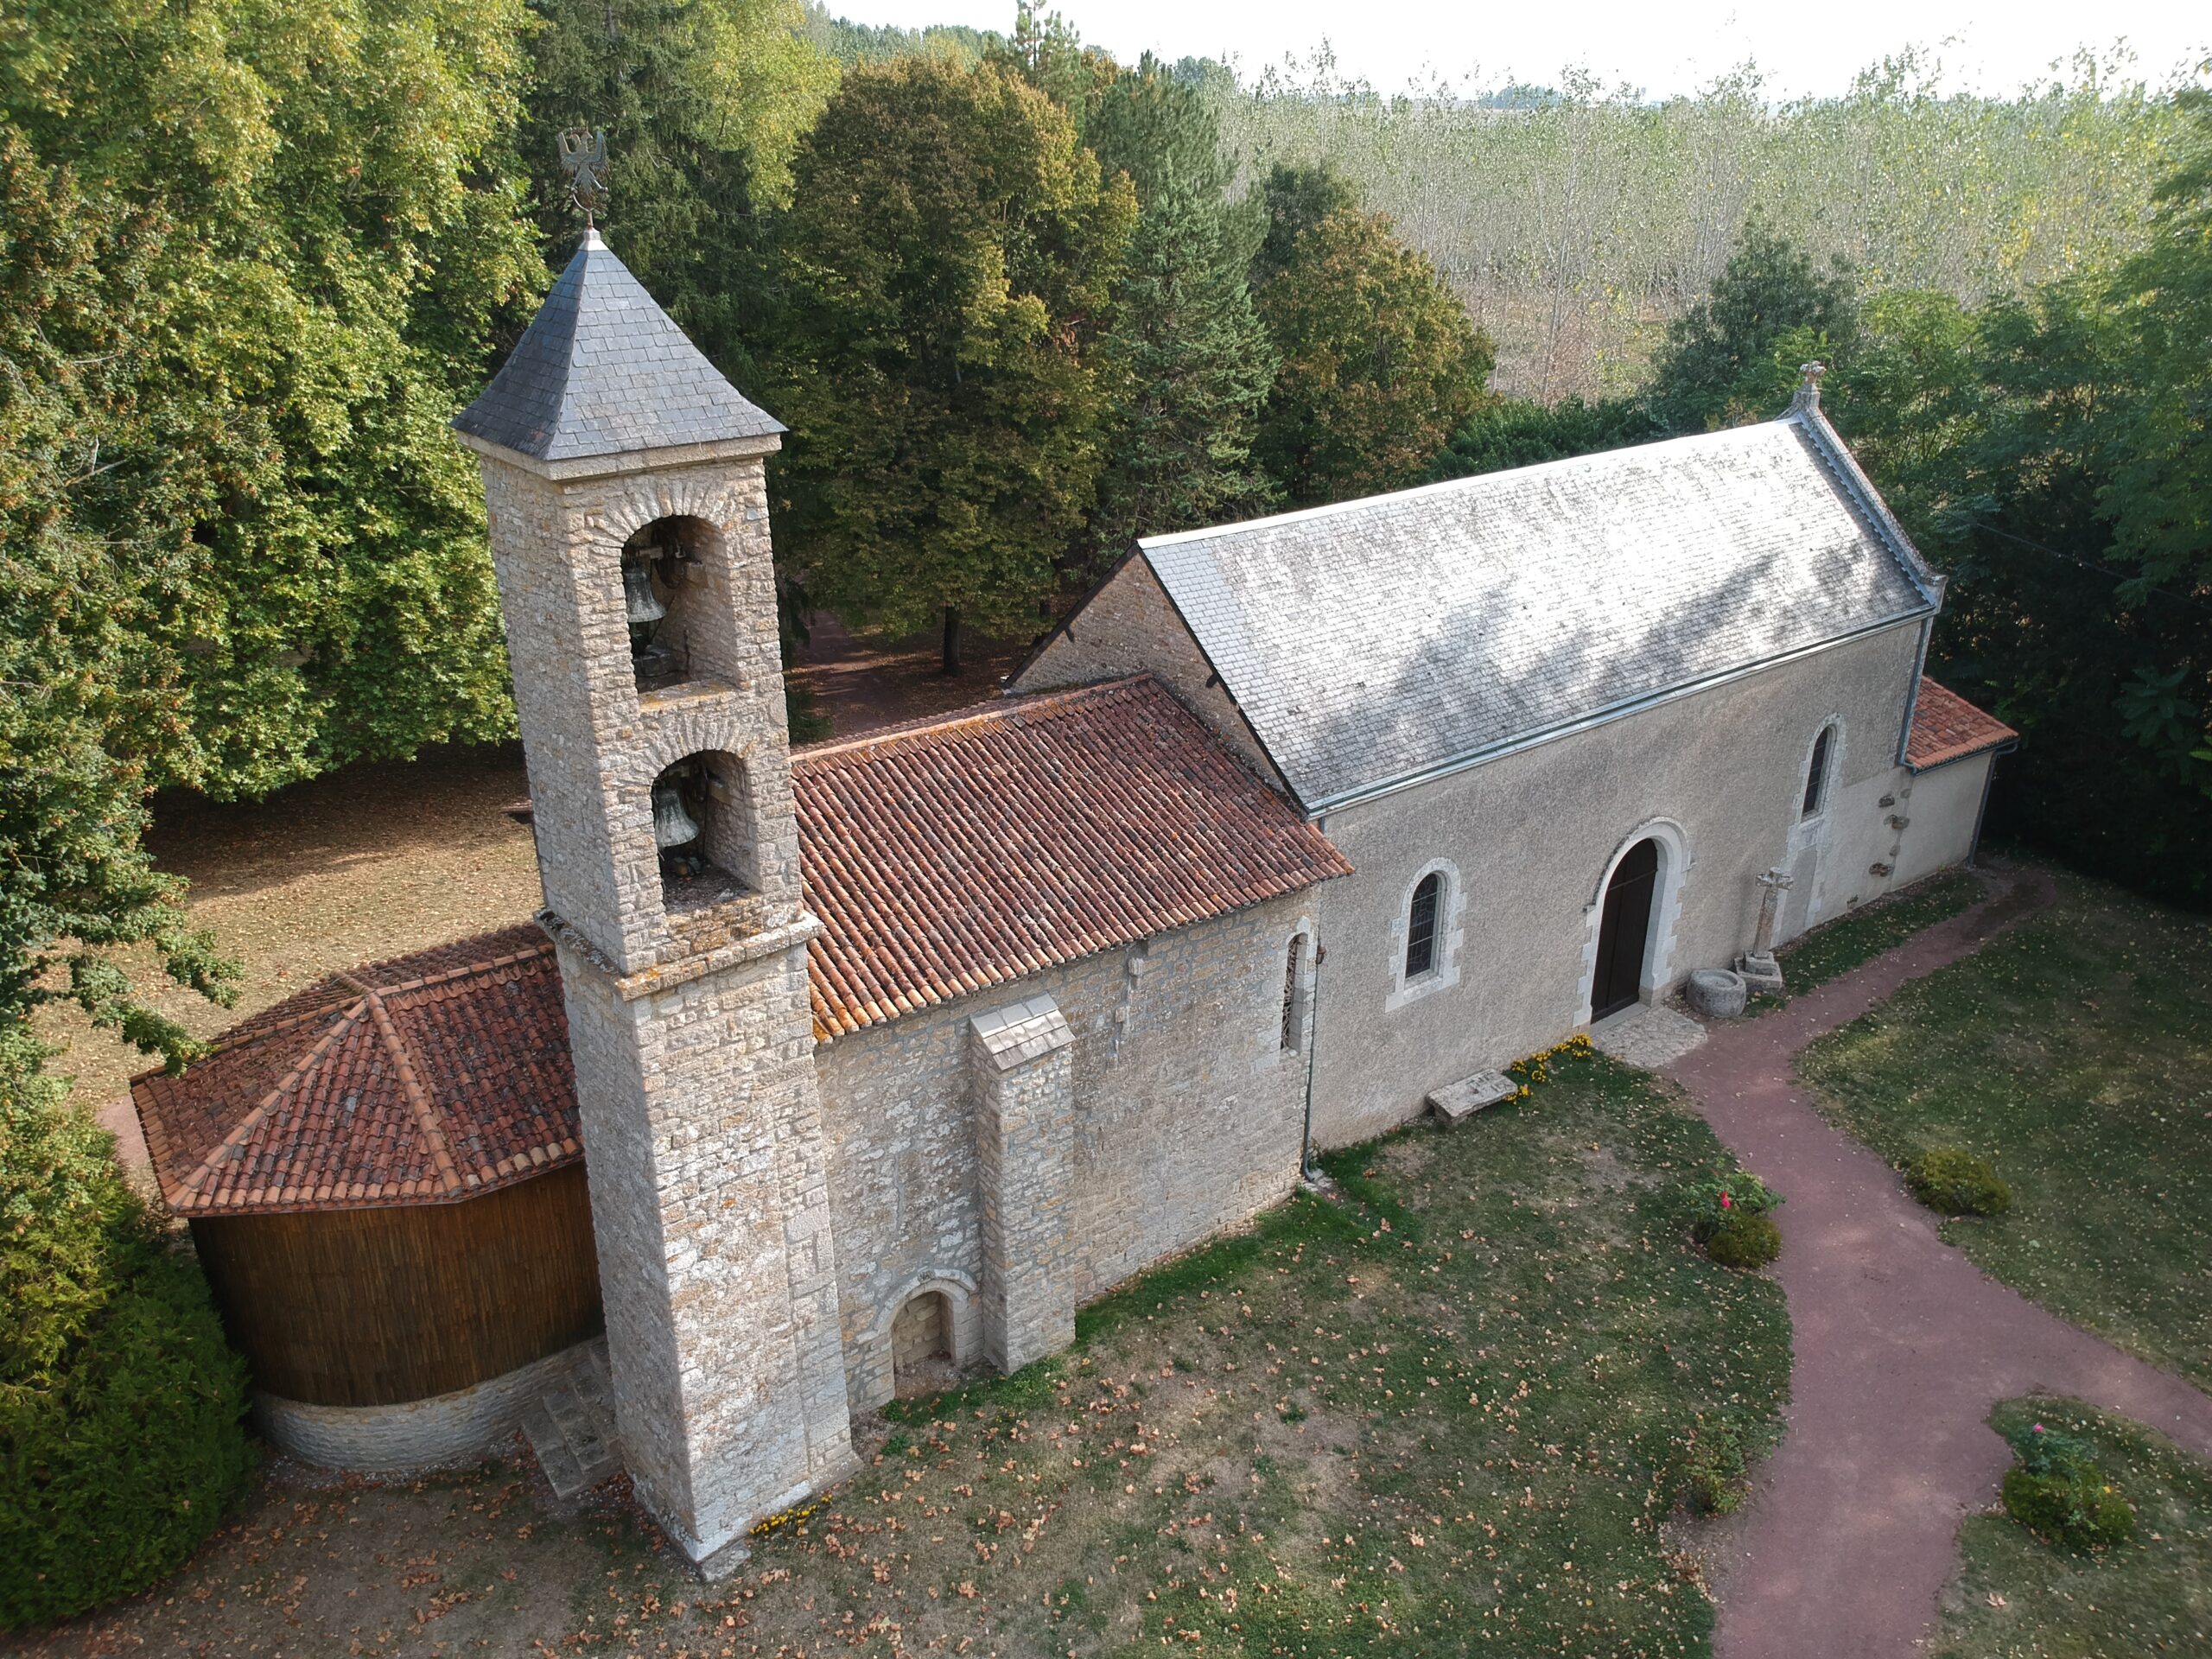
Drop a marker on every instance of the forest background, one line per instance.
(1019, 303)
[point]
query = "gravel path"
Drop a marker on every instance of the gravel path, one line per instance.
(1902, 1347)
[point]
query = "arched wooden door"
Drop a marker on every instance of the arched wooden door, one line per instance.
(1623, 930)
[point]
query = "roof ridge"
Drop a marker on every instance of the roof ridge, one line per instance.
(410, 1084)
(1006, 707)
(1444, 485)
(447, 975)
(243, 1129)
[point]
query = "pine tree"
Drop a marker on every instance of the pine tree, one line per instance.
(949, 258)
(1191, 366)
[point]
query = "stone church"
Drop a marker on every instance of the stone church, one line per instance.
(821, 1068)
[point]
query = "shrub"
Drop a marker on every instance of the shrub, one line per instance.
(121, 1443)
(1957, 1182)
(1728, 1216)
(2083, 1511)
(1745, 1240)
(1718, 1470)
(2057, 1492)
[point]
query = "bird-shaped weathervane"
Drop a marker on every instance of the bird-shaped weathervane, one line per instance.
(583, 158)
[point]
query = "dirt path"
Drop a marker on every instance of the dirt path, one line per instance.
(860, 687)
(1902, 1347)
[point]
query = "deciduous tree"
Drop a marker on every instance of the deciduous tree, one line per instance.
(1380, 363)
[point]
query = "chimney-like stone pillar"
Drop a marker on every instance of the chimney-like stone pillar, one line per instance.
(1022, 1060)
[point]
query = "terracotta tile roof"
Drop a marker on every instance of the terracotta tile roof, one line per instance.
(432, 1077)
(977, 849)
(1946, 727)
(942, 858)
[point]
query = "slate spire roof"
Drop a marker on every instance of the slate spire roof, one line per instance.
(603, 370)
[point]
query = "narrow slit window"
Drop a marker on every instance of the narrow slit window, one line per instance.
(1816, 775)
(1290, 1008)
(1421, 926)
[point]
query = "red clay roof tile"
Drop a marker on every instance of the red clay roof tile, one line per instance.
(944, 858)
(974, 849)
(383, 1085)
(1946, 727)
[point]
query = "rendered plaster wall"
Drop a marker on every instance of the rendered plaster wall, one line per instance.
(1186, 1118)
(1526, 842)
(1942, 812)
(416, 1433)
(1130, 627)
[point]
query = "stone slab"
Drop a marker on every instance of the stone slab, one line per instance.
(1648, 1038)
(1457, 1101)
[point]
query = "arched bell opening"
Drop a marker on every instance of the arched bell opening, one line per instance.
(663, 582)
(702, 832)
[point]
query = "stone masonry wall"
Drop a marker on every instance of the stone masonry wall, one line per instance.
(1187, 1118)
(1130, 627)
(693, 1047)
(1024, 1093)
(594, 746)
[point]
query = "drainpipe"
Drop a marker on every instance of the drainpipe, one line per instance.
(1974, 846)
(1306, 1169)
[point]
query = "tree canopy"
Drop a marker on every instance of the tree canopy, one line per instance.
(1380, 363)
(949, 260)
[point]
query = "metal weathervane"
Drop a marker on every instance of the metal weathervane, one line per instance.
(583, 158)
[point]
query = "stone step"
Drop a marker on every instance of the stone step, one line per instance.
(570, 1427)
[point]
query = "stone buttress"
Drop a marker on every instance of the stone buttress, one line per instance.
(686, 992)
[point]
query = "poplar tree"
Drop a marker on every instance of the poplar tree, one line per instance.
(948, 259)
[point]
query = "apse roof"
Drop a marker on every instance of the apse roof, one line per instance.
(435, 1077)
(603, 370)
(1373, 642)
(1946, 727)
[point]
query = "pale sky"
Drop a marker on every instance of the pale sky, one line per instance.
(1991, 46)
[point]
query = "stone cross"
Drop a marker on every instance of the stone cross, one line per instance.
(1777, 882)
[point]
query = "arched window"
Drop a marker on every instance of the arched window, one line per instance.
(1816, 775)
(1420, 925)
(1293, 993)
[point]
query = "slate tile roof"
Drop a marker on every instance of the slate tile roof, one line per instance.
(432, 1077)
(945, 857)
(1372, 641)
(1946, 727)
(978, 848)
(603, 370)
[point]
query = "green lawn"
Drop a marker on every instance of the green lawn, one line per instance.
(1449, 1415)
(2016, 1598)
(2075, 1053)
(1837, 947)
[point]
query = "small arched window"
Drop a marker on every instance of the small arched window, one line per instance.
(1420, 925)
(1293, 993)
(1816, 775)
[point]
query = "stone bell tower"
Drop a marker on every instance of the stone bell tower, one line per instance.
(629, 527)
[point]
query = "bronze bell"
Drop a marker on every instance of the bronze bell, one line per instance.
(672, 825)
(641, 605)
